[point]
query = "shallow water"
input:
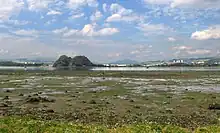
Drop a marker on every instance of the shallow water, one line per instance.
(156, 69)
(122, 68)
(23, 68)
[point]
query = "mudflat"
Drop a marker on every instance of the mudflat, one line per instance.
(187, 100)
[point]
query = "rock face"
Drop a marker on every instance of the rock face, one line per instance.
(78, 61)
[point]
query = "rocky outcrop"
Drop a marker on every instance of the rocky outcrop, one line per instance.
(68, 62)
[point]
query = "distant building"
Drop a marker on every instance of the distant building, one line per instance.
(199, 62)
(178, 61)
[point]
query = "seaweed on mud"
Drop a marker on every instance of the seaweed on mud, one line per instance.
(39, 99)
(214, 106)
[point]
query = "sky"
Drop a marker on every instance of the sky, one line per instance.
(109, 30)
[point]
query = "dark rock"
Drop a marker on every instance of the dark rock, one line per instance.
(39, 99)
(146, 98)
(4, 105)
(81, 61)
(170, 111)
(21, 95)
(92, 91)
(137, 107)
(169, 96)
(8, 91)
(213, 97)
(166, 103)
(131, 100)
(107, 102)
(33, 100)
(214, 106)
(65, 61)
(6, 98)
(92, 102)
(35, 94)
(50, 111)
(69, 100)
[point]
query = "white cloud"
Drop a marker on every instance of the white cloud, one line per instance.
(3, 51)
(9, 8)
(36, 5)
(104, 7)
(211, 33)
(113, 55)
(153, 28)
(171, 39)
(141, 50)
(158, 1)
(59, 31)
(189, 51)
(3, 26)
(53, 12)
(186, 3)
(79, 3)
(24, 48)
(18, 22)
(70, 33)
(75, 16)
(107, 31)
(33, 33)
(116, 8)
(114, 17)
(135, 52)
(118, 18)
(119, 13)
(96, 16)
(199, 52)
(182, 47)
(51, 21)
(88, 30)
(92, 3)
(196, 3)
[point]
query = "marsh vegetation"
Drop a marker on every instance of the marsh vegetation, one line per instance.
(108, 100)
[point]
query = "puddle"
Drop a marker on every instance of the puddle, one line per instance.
(53, 93)
(7, 89)
(86, 81)
(16, 81)
(215, 89)
(123, 97)
(100, 88)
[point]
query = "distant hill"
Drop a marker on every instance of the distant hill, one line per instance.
(152, 63)
(78, 61)
(10, 63)
(36, 60)
(214, 61)
(125, 61)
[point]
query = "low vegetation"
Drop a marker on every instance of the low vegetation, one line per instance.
(29, 125)
(70, 101)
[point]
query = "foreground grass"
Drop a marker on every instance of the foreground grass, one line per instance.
(28, 125)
